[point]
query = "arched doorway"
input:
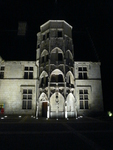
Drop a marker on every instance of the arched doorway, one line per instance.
(57, 105)
(43, 104)
(70, 105)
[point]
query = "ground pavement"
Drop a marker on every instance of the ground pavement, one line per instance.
(84, 133)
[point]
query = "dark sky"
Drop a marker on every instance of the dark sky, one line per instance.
(92, 31)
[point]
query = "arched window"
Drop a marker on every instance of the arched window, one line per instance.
(44, 79)
(70, 78)
(60, 57)
(44, 56)
(56, 55)
(70, 102)
(53, 78)
(60, 78)
(56, 78)
(69, 55)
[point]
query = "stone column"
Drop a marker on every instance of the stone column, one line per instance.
(37, 111)
(65, 90)
(48, 107)
(65, 111)
(48, 111)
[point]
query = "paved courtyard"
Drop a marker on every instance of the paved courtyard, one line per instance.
(30, 133)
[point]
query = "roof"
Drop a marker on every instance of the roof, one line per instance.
(55, 21)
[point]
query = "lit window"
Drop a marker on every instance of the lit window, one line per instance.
(28, 72)
(2, 69)
(82, 73)
(83, 99)
(27, 99)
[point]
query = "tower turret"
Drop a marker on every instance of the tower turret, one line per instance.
(55, 56)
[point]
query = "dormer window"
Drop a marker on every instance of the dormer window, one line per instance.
(28, 72)
(82, 73)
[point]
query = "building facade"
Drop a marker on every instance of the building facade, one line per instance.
(53, 86)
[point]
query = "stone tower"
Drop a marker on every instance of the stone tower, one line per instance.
(55, 61)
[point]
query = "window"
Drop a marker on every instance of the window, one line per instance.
(60, 57)
(80, 69)
(43, 59)
(60, 78)
(2, 69)
(44, 81)
(82, 73)
(83, 99)
(84, 69)
(27, 99)
(48, 35)
(57, 78)
(28, 72)
(43, 37)
(59, 33)
(31, 68)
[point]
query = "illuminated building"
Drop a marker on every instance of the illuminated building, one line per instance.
(53, 86)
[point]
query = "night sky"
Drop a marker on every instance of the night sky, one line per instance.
(92, 32)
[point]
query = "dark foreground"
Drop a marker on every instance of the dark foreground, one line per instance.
(73, 134)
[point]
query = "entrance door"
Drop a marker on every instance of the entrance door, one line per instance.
(44, 109)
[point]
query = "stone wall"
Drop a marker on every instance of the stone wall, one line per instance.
(93, 85)
(11, 87)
